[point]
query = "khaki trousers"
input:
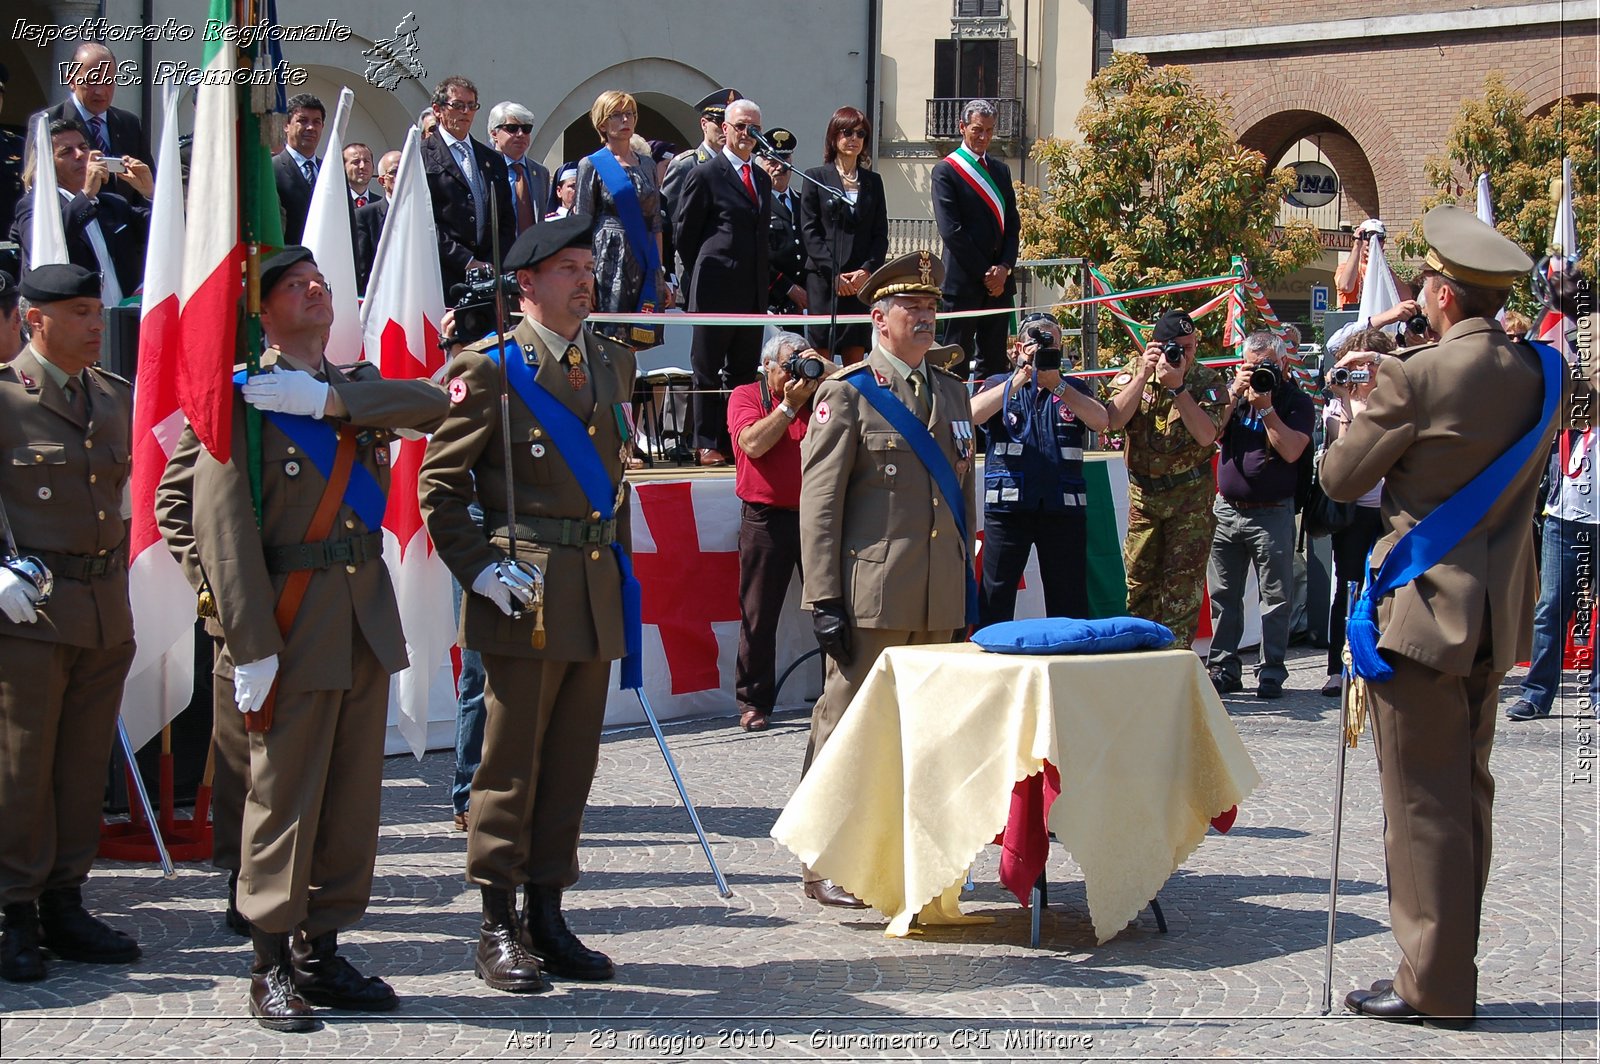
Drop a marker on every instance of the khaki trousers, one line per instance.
(230, 774)
(58, 720)
(541, 744)
(1433, 733)
(312, 807)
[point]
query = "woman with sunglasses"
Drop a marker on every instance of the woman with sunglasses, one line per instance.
(844, 244)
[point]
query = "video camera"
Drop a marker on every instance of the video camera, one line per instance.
(473, 302)
(1046, 352)
(1346, 375)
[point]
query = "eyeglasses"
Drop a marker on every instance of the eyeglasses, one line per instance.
(853, 132)
(460, 105)
(746, 127)
(516, 127)
(629, 115)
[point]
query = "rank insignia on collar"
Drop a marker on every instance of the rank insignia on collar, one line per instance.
(883, 382)
(27, 381)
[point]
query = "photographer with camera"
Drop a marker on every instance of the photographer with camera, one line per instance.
(1172, 409)
(1265, 430)
(767, 419)
(1033, 488)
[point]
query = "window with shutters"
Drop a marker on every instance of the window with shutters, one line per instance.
(980, 9)
(966, 69)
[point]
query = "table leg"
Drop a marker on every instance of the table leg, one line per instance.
(1040, 898)
(1161, 917)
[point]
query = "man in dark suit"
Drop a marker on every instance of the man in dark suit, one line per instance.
(721, 229)
(112, 131)
(786, 288)
(510, 131)
(105, 233)
(462, 174)
(296, 166)
(358, 176)
(975, 208)
(713, 108)
(370, 219)
(11, 150)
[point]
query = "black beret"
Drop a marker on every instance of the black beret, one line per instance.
(1173, 324)
(7, 284)
(49, 284)
(545, 239)
(275, 266)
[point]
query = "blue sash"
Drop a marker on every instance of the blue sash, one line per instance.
(620, 185)
(318, 441)
(1438, 533)
(925, 448)
(571, 440)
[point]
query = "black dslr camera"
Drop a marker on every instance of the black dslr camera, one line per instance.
(1172, 351)
(1046, 352)
(1417, 323)
(805, 367)
(1265, 378)
(473, 302)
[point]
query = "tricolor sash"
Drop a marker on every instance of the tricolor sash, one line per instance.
(615, 177)
(975, 174)
(923, 445)
(570, 438)
(1437, 534)
(318, 441)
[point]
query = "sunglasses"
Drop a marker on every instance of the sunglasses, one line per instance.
(516, 127)
(746, 127)
(853, 132)
(460, 105)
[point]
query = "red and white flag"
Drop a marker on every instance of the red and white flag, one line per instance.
(1552, 328)
(400, 332)
(47, 239)
(161, 680)
(327, 234)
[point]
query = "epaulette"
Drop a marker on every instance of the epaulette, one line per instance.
(845, 371)
(117, 377)
(488, 343)
(1407, 352)
(952, 374)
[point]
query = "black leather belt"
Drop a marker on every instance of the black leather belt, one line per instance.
(555, 531)
(326, 553)
(77, 566)
(1246, 504)
(1172, 481)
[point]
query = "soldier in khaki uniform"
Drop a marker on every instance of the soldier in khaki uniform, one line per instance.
(1436, 417)
(64, 439)
(1172, 413)
(884, 558)
(310, 830)
(546, 686)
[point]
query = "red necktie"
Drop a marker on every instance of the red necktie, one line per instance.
(749, 186)
(361, 200)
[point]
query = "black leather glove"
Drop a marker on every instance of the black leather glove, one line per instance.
(832, 628)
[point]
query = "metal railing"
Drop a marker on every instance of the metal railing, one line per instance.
(944, 118)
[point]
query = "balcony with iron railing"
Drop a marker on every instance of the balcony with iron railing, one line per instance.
(944, 118)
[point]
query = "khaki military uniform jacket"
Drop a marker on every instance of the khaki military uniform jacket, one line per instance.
(63, 483)
(875, 532)
(206, 517)
(1159, 443)
(1437, 416)
(466, 461)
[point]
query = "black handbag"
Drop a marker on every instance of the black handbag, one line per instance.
(1321, 516)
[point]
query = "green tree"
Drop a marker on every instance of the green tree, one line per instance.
(1157, 191)
(1522, 155)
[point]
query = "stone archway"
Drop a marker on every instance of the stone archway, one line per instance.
(1274, 134)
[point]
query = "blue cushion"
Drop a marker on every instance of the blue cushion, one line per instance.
(1073, 635)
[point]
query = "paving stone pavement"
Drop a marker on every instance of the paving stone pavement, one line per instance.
(768, 975)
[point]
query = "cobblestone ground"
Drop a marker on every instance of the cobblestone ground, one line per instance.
(768, 975)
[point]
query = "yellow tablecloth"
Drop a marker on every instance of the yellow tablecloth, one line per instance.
(917, 777)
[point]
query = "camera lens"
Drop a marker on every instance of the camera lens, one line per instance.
(809, 369)
(1340, 375)
(1417, 323)
(1172, 351)
(1265, 378)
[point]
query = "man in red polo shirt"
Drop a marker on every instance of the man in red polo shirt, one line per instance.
(766, 421)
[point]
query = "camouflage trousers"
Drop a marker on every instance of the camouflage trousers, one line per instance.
(1165, 554)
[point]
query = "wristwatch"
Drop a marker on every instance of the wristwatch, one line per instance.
(1061, 389)
(1179, 390)
(788, 411)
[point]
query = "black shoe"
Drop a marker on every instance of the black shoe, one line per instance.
(21, 959)
(1269, 688)
(232, 918)
(1225, 682)
(827, 892)
(1332, 686)
(72, 934)
(502, 962)
(1522, 709)
(1353, 999)
(274, 1002)
(557, 948)
(1392, 1007)
(324, 978)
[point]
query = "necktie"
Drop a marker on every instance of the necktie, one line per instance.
(361, 200)
(749, 186)
(519, 190)
(459, 150)
(919, 388)
(75, 397)
(97, 132)
(575, 374)
(310, 167)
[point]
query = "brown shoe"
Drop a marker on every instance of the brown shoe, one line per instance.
(461, 821)
(753, 720)
(712, 457)
(274, 1002)
(502, 961)
(827, 892)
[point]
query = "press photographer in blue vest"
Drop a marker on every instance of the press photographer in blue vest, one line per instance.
(1033, 489)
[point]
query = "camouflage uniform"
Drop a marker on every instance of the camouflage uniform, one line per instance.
(1170, 488)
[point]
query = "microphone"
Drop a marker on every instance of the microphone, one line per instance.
(764, 147)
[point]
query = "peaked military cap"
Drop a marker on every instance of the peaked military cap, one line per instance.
(545, 239)
(1468, 250)
(58, 281)
(917, 274)
(783, 142)
(715, 104)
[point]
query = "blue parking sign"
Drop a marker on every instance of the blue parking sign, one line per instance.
(1319, 298)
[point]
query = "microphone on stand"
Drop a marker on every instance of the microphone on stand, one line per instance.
(764, 147)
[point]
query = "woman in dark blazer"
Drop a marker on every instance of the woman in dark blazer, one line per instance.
(858, 236)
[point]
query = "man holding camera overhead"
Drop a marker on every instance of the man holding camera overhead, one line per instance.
(1033, 489)
(1266, 428)
(1173, 410)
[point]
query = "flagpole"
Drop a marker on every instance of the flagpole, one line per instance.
(252, 280)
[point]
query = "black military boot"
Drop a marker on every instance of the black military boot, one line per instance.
(72, 934)
(233, 918)
(327, 979)
(557, 948)
(273, 1000)
(21, 960)
(502, 962)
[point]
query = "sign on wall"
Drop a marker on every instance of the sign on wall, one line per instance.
(1316, 185)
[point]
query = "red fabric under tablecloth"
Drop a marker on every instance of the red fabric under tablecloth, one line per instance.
(1025, 843)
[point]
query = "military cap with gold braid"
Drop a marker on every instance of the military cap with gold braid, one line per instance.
(715, 105)
(917, 274)
(783, 142)
(1465, 249)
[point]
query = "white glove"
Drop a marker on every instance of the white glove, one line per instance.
(290, 391)
(17, 597)
(252, 681)
(506, 586)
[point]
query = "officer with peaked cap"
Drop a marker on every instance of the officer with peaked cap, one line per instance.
(64, 649)
(713, 108)
(545, 693)
(786, 284)
(885, 550)
(310, 634)
(1435, 418)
